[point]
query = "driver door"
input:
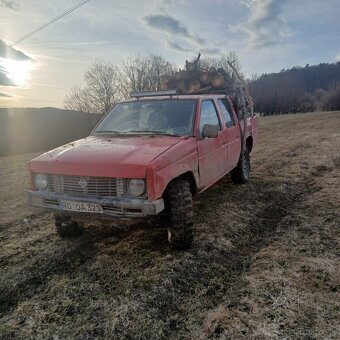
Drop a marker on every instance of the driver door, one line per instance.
(211, 151)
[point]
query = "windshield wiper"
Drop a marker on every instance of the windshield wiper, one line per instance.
(151, 132)
(106, 131)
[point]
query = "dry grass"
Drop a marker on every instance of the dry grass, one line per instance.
(13, 181)
(264, 264)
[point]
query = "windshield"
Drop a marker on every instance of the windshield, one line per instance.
(169, 117)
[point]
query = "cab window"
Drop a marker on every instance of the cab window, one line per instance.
(227, 113)
(209, 115)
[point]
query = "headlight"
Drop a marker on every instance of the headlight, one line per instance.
(40, 181)
(136, 187)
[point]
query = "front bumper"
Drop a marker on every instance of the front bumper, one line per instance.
(116, 207)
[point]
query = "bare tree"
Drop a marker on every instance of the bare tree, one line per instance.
(78, 100)
(222, 62)
(106, 84)
(144, 73)
(100, 92)
(332, 99)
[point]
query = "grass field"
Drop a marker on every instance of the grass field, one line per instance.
(264, 265)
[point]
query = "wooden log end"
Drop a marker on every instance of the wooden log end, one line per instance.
(194, 86)
(218, 81)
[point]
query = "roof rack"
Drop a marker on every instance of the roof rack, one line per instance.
(154, 93)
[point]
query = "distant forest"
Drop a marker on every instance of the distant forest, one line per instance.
(299, 89)
(33, 130)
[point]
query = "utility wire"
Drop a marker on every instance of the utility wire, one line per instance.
(59, 16)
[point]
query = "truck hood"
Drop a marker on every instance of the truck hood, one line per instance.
(104, 156)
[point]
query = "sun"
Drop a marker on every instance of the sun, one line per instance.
(17, 71)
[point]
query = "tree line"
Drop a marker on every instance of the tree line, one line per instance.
(299, 89)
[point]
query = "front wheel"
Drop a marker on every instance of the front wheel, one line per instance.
(180, 232)
(240, 174)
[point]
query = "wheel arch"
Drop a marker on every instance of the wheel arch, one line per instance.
(187, 176)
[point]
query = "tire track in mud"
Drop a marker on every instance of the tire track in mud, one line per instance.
(184, 282)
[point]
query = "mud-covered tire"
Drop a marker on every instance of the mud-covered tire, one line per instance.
(66, 228)
(240, 174)
(180, 231)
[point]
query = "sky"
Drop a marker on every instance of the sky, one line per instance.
(266, 35)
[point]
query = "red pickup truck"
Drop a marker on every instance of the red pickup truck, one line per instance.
(147, 156)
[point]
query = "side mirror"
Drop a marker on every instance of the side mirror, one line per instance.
(210, 131)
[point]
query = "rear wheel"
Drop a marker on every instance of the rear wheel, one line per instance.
(67, 228)
(180, 231)
(240, 174)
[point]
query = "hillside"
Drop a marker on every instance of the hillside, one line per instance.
(31, 129)
(299, 89)
(264, 264)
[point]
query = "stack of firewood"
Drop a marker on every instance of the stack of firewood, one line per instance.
(198, 80)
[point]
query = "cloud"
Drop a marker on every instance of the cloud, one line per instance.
(213, 50)
(177, 47)
(265, 26)
(167, 24)
(5, 95)
(10, 4)
(9, 52)
(171, 26)
(4, 79)
(247, 3)
(265, 12)
(337, 58)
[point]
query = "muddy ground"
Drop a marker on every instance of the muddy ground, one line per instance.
(264, 265)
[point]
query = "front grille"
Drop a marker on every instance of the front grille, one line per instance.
(85, 186)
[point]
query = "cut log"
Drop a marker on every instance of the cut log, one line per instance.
(217, 81)
(205, 89)
(227, 78)
(189, 76)
(179, 75)
(194, 86)
(181, 87)
(205, 78)
(194, 79)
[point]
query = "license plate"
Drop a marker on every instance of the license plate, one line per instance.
(81, 207)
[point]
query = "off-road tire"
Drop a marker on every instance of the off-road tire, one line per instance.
(180, 231)
(66, 228)
(240, 174)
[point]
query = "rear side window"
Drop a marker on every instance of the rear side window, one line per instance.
(227, 113)
(208, 115)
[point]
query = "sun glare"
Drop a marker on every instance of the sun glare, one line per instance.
(17, 71)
